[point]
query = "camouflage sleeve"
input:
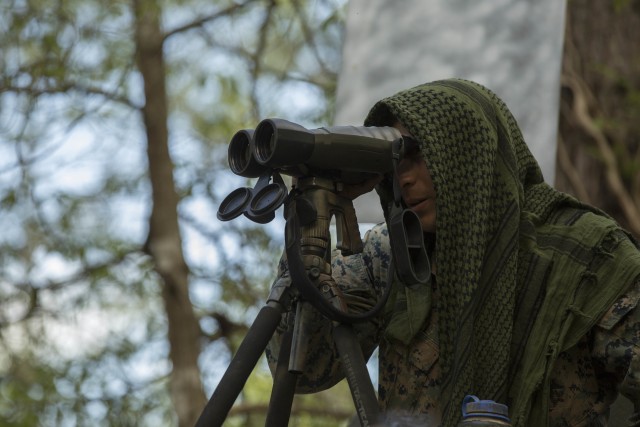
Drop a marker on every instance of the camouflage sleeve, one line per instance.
(616, 348)
(361, 278)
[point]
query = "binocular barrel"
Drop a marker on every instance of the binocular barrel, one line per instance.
(294, 149)
(240, 155)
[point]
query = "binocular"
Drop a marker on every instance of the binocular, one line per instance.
(349, 154)
(344, 154)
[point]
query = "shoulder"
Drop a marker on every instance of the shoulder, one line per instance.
(585, 233)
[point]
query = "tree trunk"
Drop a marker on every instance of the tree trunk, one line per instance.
(164, 242)
(599, 155)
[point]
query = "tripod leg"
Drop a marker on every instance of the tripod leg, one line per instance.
(284, 387)
(245, 359)
(355, 370)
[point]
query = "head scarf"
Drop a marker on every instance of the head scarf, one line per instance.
(490, 203)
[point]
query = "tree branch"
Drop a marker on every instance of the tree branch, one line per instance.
(205, 19)
(69, 87)
(308, 36)
(33, 289)
(256, 63)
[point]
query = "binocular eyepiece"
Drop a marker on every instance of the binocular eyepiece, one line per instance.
(340, 152)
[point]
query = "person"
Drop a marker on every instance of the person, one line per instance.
(533, 295)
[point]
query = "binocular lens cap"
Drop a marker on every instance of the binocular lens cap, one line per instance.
(260, 219)
(268, 199)
(234, 204)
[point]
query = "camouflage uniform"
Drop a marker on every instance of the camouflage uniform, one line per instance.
(585, 381)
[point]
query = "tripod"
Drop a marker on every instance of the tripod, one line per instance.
(308, 212)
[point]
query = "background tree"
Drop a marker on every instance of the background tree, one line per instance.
(599, 144)
(119, 289)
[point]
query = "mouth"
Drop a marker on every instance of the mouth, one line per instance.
(414, 203)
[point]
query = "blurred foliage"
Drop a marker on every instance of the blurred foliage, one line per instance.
(82, 327)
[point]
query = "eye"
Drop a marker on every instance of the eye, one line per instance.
(411, 147)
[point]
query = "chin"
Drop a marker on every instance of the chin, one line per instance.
(428, 226)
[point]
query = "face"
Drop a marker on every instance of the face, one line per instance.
(416, 185)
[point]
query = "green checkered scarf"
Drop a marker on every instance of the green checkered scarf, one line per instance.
(492, 204)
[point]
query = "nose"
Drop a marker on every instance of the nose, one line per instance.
(407, 172)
